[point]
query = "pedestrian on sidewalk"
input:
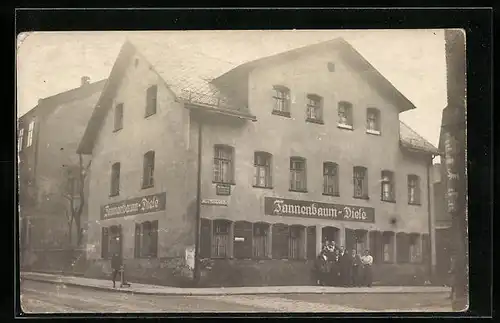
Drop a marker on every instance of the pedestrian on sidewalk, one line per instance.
(116, 264)
(345, 263)
(321, 268)
(367, 261)
(356, 268)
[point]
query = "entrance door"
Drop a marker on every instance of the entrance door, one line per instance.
(115, 240)
(330, 234)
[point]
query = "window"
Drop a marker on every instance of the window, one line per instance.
(388, 249)
(149, 168)
(262, 163)
(223, 164)
(296, 242)
(220, 245)
(298, 180)
(151, 98)
(387, 186)
(330, 179)
(314, 108)
(413, 189)
(115, 179)
(20, 140)
(345, 115)
(415, 248)
(146, 239)
(29, 140)
(281, 100)
(119, 116)
(361, 241)
(111, 241)
(260, 240)
(360, 182)
(373, 120)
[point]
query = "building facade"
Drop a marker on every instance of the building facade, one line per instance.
(294, 149)
(48, 136)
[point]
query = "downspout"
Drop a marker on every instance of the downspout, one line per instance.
(431, 222)
(197, 269)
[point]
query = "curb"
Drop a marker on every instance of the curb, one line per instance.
(222, 293)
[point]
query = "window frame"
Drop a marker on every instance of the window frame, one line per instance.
(296, 233)
(346, 107)
(148, 169)
(266, 166)
(152, 237)
(293, 176)
(218, 163)
(265, 237)
(282, 100)
(314, 102)
(376, 113)
(388, 178)
(414, 248)
(335, 179)
(31, 129)
(392, 240)
(228, 239)
(20, 140)
(364, 189)
(114, 189)
(151, 100)
(118, 122)
(417, 193)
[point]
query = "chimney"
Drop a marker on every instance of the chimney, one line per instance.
(85, 80)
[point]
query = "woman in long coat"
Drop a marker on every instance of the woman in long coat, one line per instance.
(356, 268)
(321, 268)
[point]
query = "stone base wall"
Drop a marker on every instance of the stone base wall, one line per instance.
(67, 261)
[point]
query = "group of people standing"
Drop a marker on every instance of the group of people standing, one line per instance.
(337, 267)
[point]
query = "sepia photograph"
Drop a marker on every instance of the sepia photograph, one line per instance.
(251, 171)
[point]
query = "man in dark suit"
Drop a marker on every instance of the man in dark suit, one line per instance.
(356, 268)
(346, 262)
(116, 264)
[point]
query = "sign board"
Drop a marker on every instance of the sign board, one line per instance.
(239, 239)
(309, 209)
(139, 205)
(223, 189)
(214, 202)
(189, 257)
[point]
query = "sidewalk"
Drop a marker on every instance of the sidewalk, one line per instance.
(267, 290)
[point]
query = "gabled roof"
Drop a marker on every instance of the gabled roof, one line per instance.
(409, 138)
(188, 72)
(350, 55)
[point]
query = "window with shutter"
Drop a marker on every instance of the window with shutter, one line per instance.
(280, 241)
(151, 100)
(260, 240)
(137, 247)
(243, 249)
(149, 166)
(154, 239)
(205, 238)
(220, 245)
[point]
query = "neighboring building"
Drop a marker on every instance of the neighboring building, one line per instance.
(296, 148)
(48, 136)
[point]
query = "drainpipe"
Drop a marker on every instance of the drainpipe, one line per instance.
(197, 269)
(431, 223)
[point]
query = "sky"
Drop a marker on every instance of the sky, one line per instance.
(412, 60)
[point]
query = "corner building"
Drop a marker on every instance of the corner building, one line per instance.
(296, 148)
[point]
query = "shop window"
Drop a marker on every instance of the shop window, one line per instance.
(242, 241)
(311, 243)
(115, 179)
(262, 164)
(260, 240)
(296, 242)
(20, 140)
(281, 100)
(298, 180)
(388, 246)
(280, 246)
(330, 179)
(361, 241)
(31, 128)
(387, 186)
(148, 171)
(345, 115)
(221, 239)
(415, 248)
(314, 109)
(118, 117)
(373, 121)
(146, 239)
(223, 164)
(413, 189)
(111, 241)
(151, 100)
(402, 248)
(360, 179)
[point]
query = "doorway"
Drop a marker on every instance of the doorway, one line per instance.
(330, 234)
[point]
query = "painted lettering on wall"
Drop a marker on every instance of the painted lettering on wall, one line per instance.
(140, 205)
(287, 207)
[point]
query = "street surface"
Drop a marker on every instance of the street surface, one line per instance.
(40, 297)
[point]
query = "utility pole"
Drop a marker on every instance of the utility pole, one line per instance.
(454, 127)
(197, 269)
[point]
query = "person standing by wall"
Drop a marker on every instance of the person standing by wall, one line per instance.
(367, 261)
(321, 268)
(355, 269)
(345, 267)
(116, 264)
